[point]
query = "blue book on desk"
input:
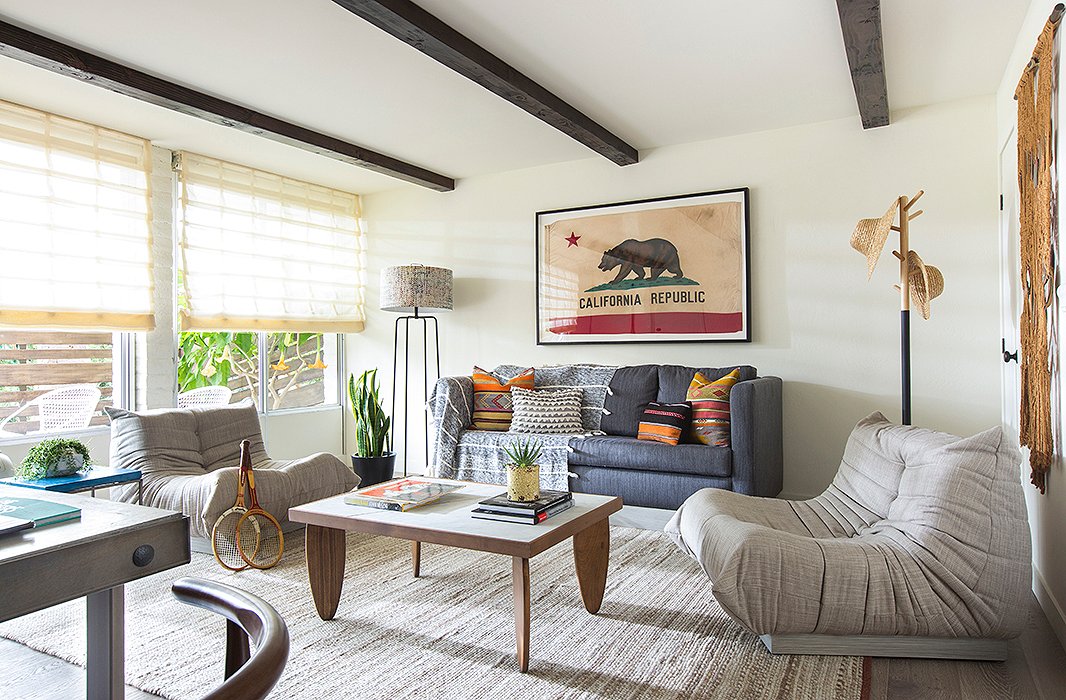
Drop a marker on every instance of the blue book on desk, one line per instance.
(39, 512)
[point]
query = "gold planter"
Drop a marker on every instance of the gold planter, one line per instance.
(523, 483)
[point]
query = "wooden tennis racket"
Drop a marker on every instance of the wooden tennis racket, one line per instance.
(260, 547)
(224, 535)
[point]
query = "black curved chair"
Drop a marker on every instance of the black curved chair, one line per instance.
(247, 615)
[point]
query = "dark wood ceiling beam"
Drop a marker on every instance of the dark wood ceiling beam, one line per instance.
(43, 52)
(860, 23)
(418, 28)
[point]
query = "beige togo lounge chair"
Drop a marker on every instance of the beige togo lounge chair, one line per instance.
(189, 459)
(919, 548)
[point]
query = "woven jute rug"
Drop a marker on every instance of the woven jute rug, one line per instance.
(450, 633)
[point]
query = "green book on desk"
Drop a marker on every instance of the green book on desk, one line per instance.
(39, 512)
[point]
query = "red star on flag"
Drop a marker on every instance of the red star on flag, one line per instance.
(571, 239)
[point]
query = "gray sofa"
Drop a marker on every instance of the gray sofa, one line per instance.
(607, 458)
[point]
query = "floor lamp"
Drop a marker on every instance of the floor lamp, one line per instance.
(412, 290)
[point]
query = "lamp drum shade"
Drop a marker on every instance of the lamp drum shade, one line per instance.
(407, 287)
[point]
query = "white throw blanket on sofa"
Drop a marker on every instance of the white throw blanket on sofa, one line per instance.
(478, 455)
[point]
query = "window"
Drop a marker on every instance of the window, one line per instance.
(301, 369)
(270, 271)
(77, 266)
(35, 364)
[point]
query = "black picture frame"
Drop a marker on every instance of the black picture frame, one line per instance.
(542, 219)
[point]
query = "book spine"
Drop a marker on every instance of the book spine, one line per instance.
(504, 518)
(380, 505)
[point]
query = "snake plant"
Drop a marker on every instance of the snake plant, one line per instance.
(371, 422)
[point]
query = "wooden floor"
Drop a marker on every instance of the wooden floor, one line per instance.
(26, 674)
(1034, 670)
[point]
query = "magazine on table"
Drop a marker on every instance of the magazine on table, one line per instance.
(401, 494)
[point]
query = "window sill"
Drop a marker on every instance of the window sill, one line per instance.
(31, 438)
(308, 409)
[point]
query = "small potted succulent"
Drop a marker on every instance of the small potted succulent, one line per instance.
(373, 460)
(54, 457)
(523, 473)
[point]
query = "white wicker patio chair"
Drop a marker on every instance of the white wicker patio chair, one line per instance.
(206, 396)
(63, 408)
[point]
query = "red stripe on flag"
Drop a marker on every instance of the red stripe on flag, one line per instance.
(663, 322)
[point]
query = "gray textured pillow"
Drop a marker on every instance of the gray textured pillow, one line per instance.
(555, 411)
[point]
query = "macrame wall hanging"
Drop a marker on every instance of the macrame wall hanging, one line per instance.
(1036, 96)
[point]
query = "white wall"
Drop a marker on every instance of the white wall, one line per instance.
(818, 324)
(1047, 512)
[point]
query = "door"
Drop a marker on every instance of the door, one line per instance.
(1010, 280)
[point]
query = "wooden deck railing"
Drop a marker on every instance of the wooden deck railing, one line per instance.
(32, 363)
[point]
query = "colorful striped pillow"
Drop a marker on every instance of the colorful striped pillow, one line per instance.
(492, 399)
(664, 422)
(710, 408)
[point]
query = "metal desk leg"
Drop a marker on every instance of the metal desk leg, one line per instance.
(106, 645)
(140, 492)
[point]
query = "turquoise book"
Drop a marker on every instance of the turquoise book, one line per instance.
(40, 512)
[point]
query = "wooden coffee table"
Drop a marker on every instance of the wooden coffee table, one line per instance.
(448, 522)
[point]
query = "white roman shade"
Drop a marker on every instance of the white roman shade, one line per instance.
(75, 231)
(267, 253)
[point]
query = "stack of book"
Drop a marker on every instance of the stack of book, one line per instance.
(530, 513)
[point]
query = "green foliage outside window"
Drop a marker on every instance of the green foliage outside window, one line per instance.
(232, 359)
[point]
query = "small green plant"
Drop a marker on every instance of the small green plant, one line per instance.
(54, 457)
(371, 422)
(524, 453)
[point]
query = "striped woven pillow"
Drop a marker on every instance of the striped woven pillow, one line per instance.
(664, 422)
(555, 411)
(710, 408)
(492, 399)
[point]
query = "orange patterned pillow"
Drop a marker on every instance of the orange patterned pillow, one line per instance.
(492, 399)
(710, 408)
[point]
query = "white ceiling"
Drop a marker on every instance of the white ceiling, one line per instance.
(655, 73)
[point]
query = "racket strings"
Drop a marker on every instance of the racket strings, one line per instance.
(264, 550)
(224, 539)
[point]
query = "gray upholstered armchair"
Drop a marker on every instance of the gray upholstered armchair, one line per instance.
(189, 459)
(919, 547)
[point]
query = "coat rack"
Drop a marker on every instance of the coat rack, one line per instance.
(918, 283)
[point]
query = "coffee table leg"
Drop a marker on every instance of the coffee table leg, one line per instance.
(325, 568)
(416, 557)
(592, 549)
(520, 581)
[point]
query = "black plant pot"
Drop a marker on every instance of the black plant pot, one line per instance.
(374, 470)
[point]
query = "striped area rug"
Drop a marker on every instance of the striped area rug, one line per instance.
(450, 634)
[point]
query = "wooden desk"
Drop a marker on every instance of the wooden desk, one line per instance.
(112, 544)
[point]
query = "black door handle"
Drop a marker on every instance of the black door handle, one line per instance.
(1007, 356)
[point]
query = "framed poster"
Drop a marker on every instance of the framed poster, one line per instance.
(672, 269)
